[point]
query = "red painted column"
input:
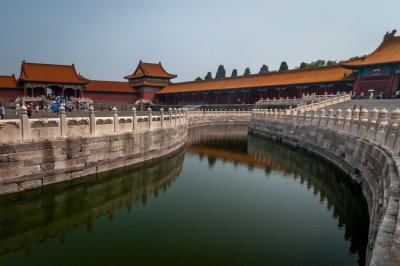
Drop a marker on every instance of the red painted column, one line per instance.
(389, 90)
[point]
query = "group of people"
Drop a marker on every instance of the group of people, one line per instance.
(56, 102)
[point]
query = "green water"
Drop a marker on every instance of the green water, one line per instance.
(243, 202)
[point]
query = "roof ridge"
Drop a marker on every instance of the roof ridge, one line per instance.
(107, 80)
(307, 69)
(31, 63)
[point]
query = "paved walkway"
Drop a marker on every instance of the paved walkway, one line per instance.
(389, 104)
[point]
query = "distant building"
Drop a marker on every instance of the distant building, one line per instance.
(378, 72)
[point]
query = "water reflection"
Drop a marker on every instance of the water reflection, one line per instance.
(34, 217)
(343, 197)
(189, 213)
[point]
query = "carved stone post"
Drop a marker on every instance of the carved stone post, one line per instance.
(150, 118)
(373, 116)
(321, 117)
(176, 116)
(115, 116)
(392, 132)
(170, 116)
(134, 117)
(355, 121)
(180, 115)
(25, 127)
(92, 119)
(382, 125)
(162, 117)
(339, 120)
(63, 121)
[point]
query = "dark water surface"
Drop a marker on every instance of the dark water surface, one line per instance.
(221, 202)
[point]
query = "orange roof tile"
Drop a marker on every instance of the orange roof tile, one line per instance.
(149, 83)
(330, 73)
(50, 73)
(387, 52)
(150, 70)
(8, 82)
(109, 86)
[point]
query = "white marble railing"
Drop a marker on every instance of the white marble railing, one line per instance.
(374, 125)
(308, 101)
(14, 130)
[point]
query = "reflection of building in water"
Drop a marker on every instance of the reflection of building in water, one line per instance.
(343, 197)
(226, 132)
(55, 211)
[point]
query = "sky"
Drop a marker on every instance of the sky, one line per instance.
(106, 39)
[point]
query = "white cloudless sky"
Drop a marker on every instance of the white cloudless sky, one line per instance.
(106, 39)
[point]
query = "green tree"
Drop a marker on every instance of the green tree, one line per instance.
(331, 62)
(303, 65)
(234, 73)
(198, 79)
(283, 66)
(221, 73)
(247, 71)
(264, 69)
(208, 76)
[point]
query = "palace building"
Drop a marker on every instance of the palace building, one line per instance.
(378, 72)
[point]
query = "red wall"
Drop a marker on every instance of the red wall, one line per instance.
(111, 97)
(9, 94)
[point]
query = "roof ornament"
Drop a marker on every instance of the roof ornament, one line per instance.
(389, 36)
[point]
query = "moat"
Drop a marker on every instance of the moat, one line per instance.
(236, 201)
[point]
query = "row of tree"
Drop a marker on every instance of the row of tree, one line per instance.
(221, 72)
(318, 63)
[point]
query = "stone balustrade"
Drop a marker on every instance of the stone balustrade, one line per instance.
(307, 101)
(365, 144)
(15, 130)
(39, 152)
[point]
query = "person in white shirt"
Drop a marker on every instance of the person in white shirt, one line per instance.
(17, 109)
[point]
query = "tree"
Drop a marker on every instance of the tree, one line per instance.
(198, 79)
(264, 69)
(283, 66)
(303, 65)
(208, 76)
(221, 73)
(331, 62)
(247, 71)
(234, 73)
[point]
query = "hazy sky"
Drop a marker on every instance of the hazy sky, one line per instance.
(106, 39)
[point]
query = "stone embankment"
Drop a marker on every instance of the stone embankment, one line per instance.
(39, 152)
(363, 144)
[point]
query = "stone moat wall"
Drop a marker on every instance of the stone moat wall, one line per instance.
(364, 147)
(39, 152)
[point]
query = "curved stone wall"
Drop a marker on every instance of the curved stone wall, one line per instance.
(39, 152)
(362, 146)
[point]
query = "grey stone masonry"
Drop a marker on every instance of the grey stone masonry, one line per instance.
(363, 144)
(47, 151)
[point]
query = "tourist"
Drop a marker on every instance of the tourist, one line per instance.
(17, 109)
(37, 109)
(397, 94)
(55, 107)
(29, 110)
(2, 111)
